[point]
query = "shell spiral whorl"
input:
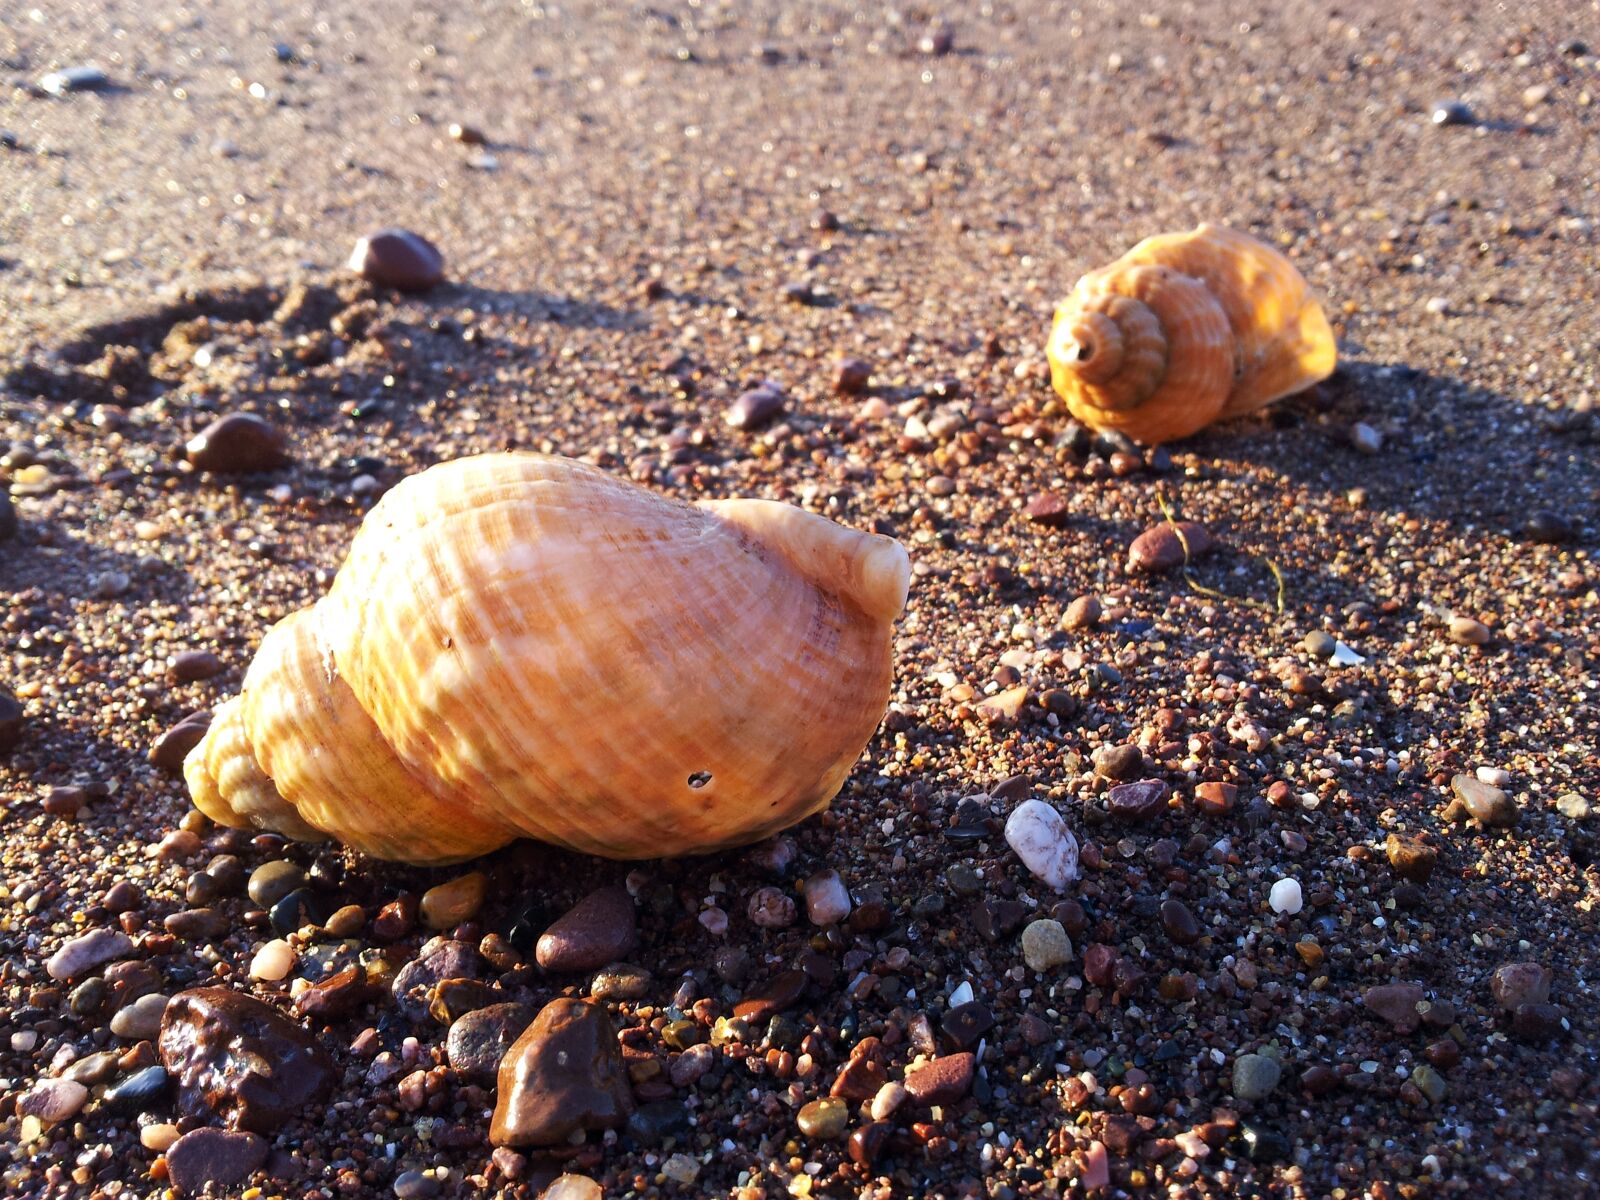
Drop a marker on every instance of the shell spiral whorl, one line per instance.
(1183, 330)
(520, 645)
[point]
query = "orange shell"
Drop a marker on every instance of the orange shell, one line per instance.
(524, 646)
(1186, 329)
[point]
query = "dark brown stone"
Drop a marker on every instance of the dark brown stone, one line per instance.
(966, 1023)
(236, 1058)
(1411, 856)
(238, 444)
(994, 919)
(868, 1141)
(10, 720)
(1396, 1003)
(563, 1074)
(213, 1157)
(173, 746)
(398, 258)
(1160, 548)
(1048, 509)
(755, 409)
(852, 377)
(192, 666)
(339, 995)
(772, 997)
(1179, 923)
(479, 1040)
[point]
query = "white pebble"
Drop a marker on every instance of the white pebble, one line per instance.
(1438, 306)
(1365, 438)
(827, 899)
(715, 921)
(273, 961)
(1041, 839)
(24, 1040)
(572, 1187)
(961, 994)
(141, 1020)
(1285, 897)
(890, 1097)
(1494, 776)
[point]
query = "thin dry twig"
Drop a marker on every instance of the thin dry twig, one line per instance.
(1197, 586)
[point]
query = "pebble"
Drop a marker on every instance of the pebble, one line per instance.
(1255, 1076)
(825, 1118)
(1548, 528)
(1494, 776)
(1464, 631)
(1518, 983)
(869, 1141)
(1040, 838)
(1117, 762)
(889, 1098)
(399, 259)
(137, 1093)
(1451, 112)
(11, 718)
(467, 135)
(827, 899)
(852, 377)
(1572, 806)
(1483, 803)
(1319, 644)
(414, 1185)
(1285, 897)
(572, 1187)
(158, 1137)
(273, 961)
(1396, 1003)
(772, 997)
(682, 1169)
(346, 921)
(8, 518)
(1138, 802)
(620, 981)
(1429, 1082)
(1083, 613)
(237, 1058)
(1179, 923)
(1159, 549)
(123, 896)
(213, 1157)
(942, 1080)
(337, 996)
(439, 959)
(690, 1066)
(141, 1020)
(1045, 945)
(1048, 509)
(193, 666)
(563, 1074)
(449, 904)
(170, 749)
(1364, 437)
(88, 951)
(478, 1040)
(755, 409)
(771, 908)
(1536, 1022)
(1411, 857)
(601, 928)
(73, 79)
(53, 1100)
(238, 444)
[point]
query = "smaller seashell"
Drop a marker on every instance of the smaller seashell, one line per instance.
(1186, 329)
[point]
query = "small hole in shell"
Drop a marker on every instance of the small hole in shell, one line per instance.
(699, 779)
(1083, 353)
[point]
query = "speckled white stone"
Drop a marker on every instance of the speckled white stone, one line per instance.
(1041, 839)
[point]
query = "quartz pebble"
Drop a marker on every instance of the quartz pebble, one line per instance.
(273, 961)
(1045, 945)
(1040, 838)
(889, 1098)
(572, 1187)
(827, 899)
(86, 952)
(53, 1100)
(73, 79)
(1285, 897)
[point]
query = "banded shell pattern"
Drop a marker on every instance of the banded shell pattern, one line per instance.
(522, 645)
(1186, 329)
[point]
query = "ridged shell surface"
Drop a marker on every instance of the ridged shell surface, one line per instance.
(1186, 329)
(523, 646)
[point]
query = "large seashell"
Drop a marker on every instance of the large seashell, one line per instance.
(521, 645)
(1186, 329)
